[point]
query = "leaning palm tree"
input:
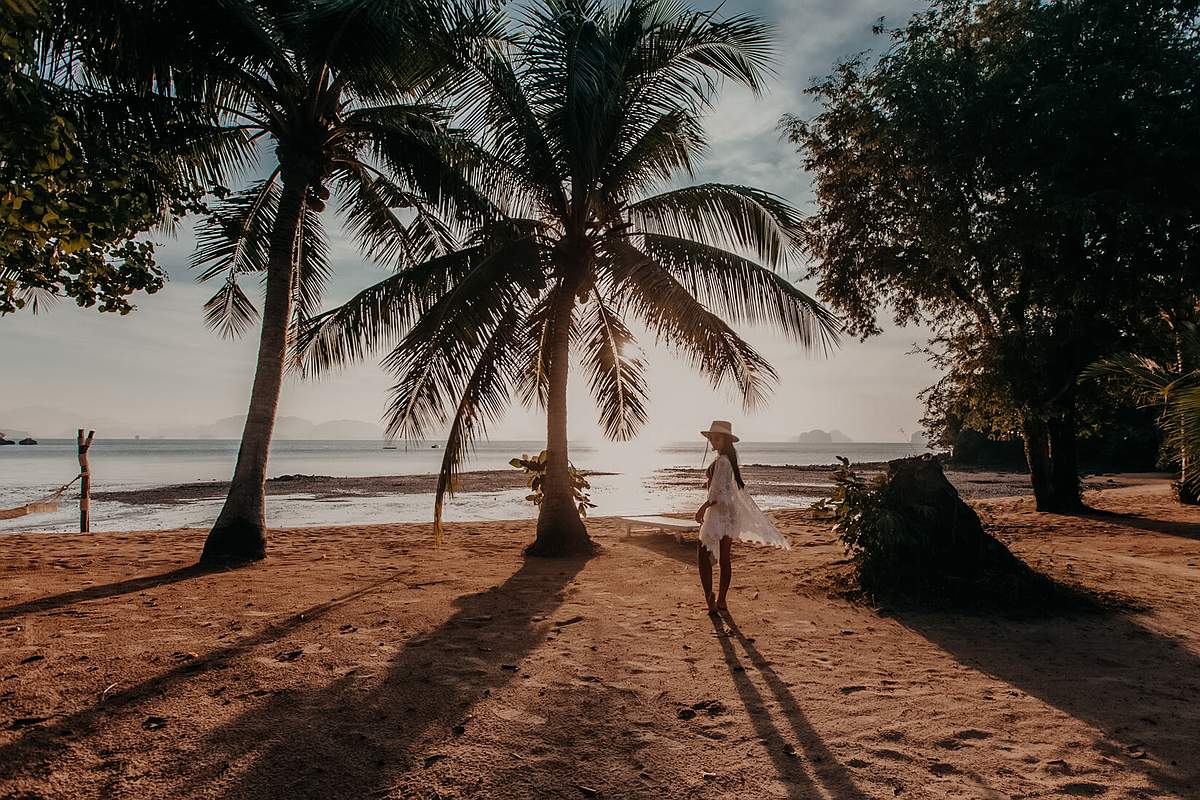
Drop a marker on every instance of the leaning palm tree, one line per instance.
(581, 128)
(332, 92)
(1173, 387)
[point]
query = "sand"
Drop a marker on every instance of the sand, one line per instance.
(361, 662)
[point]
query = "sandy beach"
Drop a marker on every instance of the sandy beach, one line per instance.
(363, 662)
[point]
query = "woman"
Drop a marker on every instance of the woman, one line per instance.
(729, 513)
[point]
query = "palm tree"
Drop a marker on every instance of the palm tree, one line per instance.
(333, 92)
(582, 128)
(1172, 387)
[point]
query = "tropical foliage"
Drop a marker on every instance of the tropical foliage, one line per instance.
(84, 173)
(1174, 389)
(581, 127)
(1017, 175)
(535, 469)
(306, 99)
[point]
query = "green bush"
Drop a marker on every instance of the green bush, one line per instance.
(875, 526)
(535, 469)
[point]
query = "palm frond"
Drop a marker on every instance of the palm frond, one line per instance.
(229, 311)
(432, 360)
(1148, 380)
(739, 218)
(617, 373)
(378, 314)
(312, 266)
(683, 324)
(533, 382)
(744, 292)
(235, 237)
(1182, 424)
(484, 400)
(232, 241)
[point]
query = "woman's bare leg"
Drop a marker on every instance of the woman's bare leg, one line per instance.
(726, 572)
(705, 563)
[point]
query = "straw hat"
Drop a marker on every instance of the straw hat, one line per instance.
(722, 427)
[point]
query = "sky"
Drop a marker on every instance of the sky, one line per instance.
(160, 371)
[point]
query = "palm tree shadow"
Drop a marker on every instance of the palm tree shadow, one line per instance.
(827, 772)
(1104, 670)
(127, 586)
(35, 751)
(361, 733)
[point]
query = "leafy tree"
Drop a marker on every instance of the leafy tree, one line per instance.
(1019, 175)
(331, 94)
(582, 128)
(83, 174)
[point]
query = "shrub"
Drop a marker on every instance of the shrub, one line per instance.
(535, 469)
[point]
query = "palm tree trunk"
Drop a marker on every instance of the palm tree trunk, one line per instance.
(1036, 435)
(560, 530)
(1184, 491)
(239, 533)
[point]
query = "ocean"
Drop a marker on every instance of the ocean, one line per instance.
(27, 472)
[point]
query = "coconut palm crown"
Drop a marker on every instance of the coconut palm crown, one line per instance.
(582, 127)
(310, 97)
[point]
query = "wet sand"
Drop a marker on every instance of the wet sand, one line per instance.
(777, 481)
(361, 662)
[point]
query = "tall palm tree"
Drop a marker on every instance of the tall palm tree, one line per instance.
(1174, 388)
(581, 129)
(329, 93)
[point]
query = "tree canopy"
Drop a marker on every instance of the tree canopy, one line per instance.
(85, 172)
(1020, 175)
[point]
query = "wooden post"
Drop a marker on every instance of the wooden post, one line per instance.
(85, 482)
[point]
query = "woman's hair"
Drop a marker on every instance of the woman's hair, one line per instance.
(727, 449)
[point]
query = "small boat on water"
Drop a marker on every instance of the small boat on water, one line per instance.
(4, 441)
(28, 440)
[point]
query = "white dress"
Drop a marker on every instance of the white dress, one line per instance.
(734, 514)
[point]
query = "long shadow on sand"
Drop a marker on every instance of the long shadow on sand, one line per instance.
(1102, 669)
(34, 752)
(363, 732)
(827, 771)
(114, 589)
(1183, 530)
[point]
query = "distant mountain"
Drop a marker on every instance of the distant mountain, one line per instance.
(919, 438)
(818, 436)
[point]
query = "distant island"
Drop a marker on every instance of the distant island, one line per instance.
(818, 436)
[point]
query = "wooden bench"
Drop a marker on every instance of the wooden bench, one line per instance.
(659, 524)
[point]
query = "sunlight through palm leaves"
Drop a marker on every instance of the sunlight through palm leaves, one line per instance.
(578, 125)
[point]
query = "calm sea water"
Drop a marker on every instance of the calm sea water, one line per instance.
(29, 471)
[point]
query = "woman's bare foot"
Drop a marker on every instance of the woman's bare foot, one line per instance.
(712, 604)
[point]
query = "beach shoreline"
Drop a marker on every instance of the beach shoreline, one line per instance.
(777, 480)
